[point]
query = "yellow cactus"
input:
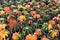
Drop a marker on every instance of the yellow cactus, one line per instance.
(54, 33)
(15, 10)
(49, 26)
(4, 25)
(19, 6)
(4, 34)
(36, 16)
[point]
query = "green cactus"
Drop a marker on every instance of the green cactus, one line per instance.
(27, 30)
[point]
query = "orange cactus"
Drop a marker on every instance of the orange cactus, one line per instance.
(12, 22)
(1, 12)
(2, 26)
(38, 32)
(31, 37)
(30, 3)
(15, 35)
(28, 36)
(6, 9)
(44, 38)
(22, 18)
(52, 22)
(33, 13)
